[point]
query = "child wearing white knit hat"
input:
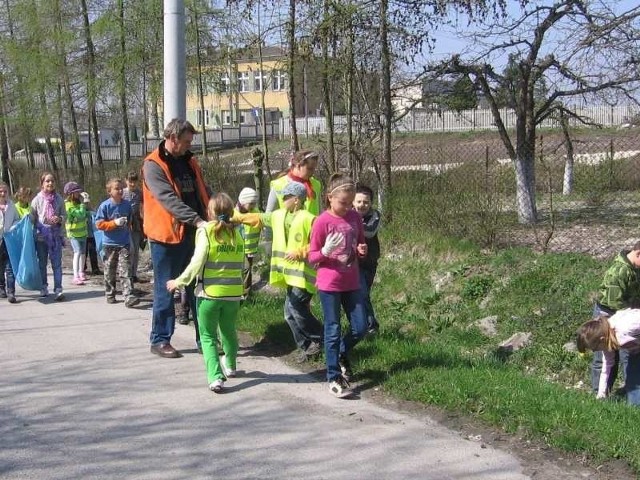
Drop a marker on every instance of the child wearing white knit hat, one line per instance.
(247, 201)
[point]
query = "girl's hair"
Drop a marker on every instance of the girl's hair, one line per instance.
(45, 175)
(298, 159)
(2, 184)
(111, 182)
(339, 182)
(220, 210)
(596, 335)
(23, 194)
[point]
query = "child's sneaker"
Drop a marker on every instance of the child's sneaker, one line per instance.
(228, 372)
(44, 292)
(12, 298)
(78, 281)
(345, 367)
(340, 388)
(3, 292)
(217, 386)
(131, 302)
(59, 296)
(111, 300)
(82, 277)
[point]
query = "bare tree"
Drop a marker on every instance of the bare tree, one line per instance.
(572, 47)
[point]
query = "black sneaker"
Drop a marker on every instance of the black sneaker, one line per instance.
(345, 367)
(12, 298)
(340, 387)
(182, 319)
(3, 292)
(111, 300)
(313, 349)
(131, 302)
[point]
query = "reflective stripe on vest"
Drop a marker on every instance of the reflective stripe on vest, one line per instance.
(311, 205)
(296, 273)
(251, 236)
(222, 272)
(76, 229)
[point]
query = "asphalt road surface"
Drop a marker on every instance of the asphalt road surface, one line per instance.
(81, 397)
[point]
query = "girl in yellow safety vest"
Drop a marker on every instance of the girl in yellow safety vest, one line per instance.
(290, 269)
(217, 262)
(76, 229)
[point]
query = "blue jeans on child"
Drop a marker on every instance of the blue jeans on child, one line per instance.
(169, 260)
(305, 327)
(366, 281)
(56, 265)
(6, 271)
(335, 344)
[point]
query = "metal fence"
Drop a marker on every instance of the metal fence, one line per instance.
(216, 138)
(467, 120)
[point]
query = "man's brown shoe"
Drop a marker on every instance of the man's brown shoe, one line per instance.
(165, 350)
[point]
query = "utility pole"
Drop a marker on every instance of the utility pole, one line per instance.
(175, 80)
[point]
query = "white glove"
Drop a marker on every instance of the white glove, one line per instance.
(333, 241)
(120, 221)
(85, 197)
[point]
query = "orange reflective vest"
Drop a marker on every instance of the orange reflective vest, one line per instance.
(159, 224)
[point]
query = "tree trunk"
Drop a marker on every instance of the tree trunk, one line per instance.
(63, 139)
(200, 82)
(91, 89)
(291, 42)
(567, 182)
(122, 85)
(385, 91)
(44, 111)
(4, 140)
(326, 91)
(525, 186)
(349, 94)
(263, 116)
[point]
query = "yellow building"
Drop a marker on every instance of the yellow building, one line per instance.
(236, 99)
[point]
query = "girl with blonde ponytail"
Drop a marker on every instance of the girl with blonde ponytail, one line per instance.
(217, 264)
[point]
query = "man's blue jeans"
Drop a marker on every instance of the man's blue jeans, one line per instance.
(334, 344)
(169, 261)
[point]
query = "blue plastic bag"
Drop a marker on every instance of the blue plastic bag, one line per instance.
(21, 246)
(98, 235)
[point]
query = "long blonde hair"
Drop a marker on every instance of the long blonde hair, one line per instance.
(220, 211)
(597, 335)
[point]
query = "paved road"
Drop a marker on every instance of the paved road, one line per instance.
(82, 397)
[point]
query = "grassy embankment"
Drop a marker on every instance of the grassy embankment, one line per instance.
(430, 292)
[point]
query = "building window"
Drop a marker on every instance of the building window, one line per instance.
(243, 81)
(259, 81)
(224, 83)
(200, 119)
(279, 80)
(226, 117)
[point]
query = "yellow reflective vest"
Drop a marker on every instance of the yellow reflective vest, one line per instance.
(310, 205)
(76, 219)
(294, 273)
(251, 235)
(222, 273)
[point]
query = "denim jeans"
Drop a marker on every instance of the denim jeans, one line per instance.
(169, 260)
(6, 271)
(134, 251)
(56, 265)
(305, 327)
(366, 281)
(334, 343)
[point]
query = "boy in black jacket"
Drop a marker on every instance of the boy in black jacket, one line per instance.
(369, 264)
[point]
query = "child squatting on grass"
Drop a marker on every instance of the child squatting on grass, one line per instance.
(217, 263)
(611, 334)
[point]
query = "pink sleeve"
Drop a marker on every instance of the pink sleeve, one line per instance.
(608, 358)
(318, 236)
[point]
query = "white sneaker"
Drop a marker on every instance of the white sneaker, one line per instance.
(340, 387)
(44, 292)
(228, 372)
(216, 386)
